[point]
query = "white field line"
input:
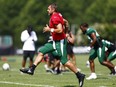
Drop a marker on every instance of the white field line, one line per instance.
(102, 86)
(23, 84)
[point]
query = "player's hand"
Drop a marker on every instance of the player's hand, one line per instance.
(67, 35)
(46, 29)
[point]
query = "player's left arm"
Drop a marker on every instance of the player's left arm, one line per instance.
(70, 38)
(94, 39)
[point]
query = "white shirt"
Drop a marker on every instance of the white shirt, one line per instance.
(28, 40)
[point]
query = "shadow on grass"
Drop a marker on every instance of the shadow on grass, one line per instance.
(70, 86)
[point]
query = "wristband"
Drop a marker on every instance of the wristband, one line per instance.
(52, 30)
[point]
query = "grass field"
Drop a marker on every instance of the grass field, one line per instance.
(13, 78)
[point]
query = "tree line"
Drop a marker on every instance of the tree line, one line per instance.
(16, 15)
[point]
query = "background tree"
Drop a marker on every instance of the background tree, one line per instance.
(15, 15)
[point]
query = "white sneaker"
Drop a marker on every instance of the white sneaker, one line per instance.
(46, 67)
(92, 76)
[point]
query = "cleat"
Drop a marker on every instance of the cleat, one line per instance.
(81, 80)
(27, 71)
(112, 73)
(92, 76)
(52, 71)
(58, 72)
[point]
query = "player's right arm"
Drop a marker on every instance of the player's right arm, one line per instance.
(58, 29)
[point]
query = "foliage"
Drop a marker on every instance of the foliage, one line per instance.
(15, 15)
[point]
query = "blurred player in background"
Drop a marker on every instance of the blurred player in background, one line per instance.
(110, 50)
(56, 27)
(97, 49)
(70, 43)
(28, 37)
(52, 62)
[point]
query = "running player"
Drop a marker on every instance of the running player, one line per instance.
(71, 40)
(56, 27)
(110, 52)
(97, 50)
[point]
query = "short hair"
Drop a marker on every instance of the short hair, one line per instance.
(84, 25)
(54, 5)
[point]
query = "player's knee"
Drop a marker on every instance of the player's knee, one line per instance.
(91, 61)
(103, 62)
(40, 54)
(25, 58)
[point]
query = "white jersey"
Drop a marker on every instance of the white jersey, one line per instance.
(28, 40)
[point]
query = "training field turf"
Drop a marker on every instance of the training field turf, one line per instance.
(13, 78)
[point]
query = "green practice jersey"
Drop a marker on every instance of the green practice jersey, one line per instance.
(110, 46)
(89, 32)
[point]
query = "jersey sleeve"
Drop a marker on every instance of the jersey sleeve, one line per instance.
(90, 31)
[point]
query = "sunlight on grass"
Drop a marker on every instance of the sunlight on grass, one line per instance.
(14, 78)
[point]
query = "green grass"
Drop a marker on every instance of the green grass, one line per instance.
(13, 78)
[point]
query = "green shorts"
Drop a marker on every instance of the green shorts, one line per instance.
(58, 48)
(112, 56)
(100, 53)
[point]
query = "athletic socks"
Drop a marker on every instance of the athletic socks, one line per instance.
(81, 78)
(33, 67)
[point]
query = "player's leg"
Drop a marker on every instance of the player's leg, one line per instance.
(111, 57)
(70, 53)
(102, 59)
(52, 63)
(79, 75)
(93, 55)
(47, 64)
(72, 57)
(25, 55)
(31, 56)
(68, 63)
(45, 49)
(56, 67)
